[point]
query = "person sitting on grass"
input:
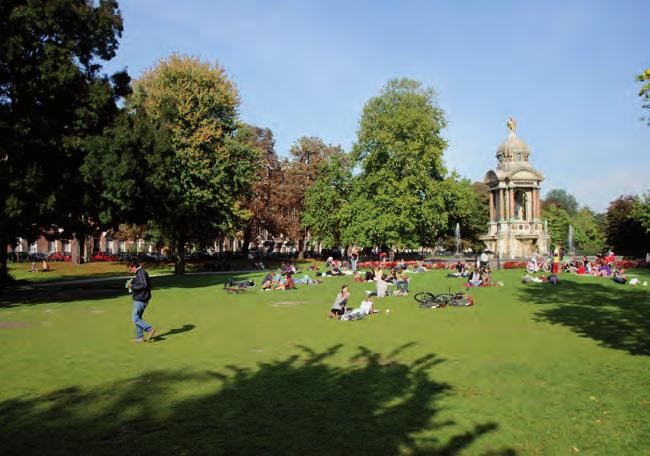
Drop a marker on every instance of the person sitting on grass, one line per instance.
(474, 278)
(620, 277)
(287, 283)
(382, 287)
(402, 285)
(339, 306)
(357, 277)
(46, 267)
(267, 282)
(33, 267)
(486, 278)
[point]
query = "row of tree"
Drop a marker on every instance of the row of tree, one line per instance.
(624, 227)
(168, 154)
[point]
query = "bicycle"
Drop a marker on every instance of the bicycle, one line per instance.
(428, 300)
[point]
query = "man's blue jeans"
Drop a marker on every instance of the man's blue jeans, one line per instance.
(354, 265)
(140, 325)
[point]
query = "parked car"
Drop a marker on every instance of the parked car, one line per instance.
(104, 256)
(60, 256)
(18, 257)
(37, 256)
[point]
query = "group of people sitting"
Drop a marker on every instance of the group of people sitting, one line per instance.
(603, 266)
(480, 277)
(396, 276)
(285, 281)
(45, 267)
(341, 311)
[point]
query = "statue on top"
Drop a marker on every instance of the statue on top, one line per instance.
(512, 125)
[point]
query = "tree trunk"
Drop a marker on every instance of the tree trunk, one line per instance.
(302, 244)
(75, 249)
(4, 271)
(248, 234)
(179, 263)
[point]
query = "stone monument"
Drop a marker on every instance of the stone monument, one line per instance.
(515, 228)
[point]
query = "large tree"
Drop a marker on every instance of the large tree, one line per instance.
(263, 199)
(52, 97)
(396, 199)
(589, 237)
(562, 199)
(299, 174)
(558, 223)
(641, 212)
(197, 169)
(326, 198)
(625, 234)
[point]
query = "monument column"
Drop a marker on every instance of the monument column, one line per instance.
(531, 214)
(538, 212)
(511, 193)
(501, 208)
(492, 211)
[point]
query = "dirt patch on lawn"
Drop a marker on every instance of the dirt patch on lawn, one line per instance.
(13, 325)
(288, 303)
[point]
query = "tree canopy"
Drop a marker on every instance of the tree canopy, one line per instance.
(52, 97)
(562, 199)
(625, 234)
(197, 169)
(397, 198)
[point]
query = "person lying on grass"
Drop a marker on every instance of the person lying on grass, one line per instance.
(366, 308)
(308, 280)
(339, 306)
(232, 283)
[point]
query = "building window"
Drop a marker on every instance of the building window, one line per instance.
(121, 246)
(51, 246)
(109, 246)
(66, 246)
(33, 248)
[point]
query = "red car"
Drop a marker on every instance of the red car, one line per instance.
(59, 256)
(103, 256)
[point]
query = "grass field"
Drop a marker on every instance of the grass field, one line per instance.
(530, 370)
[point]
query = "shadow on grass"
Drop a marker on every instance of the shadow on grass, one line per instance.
(298, 405)
(173, 331)
(69, 292)
(617, 316)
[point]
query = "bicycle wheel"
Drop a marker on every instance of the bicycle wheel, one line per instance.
(424, 296)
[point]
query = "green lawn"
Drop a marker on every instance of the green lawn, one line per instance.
(531, 369)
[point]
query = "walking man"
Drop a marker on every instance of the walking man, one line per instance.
(140, 287)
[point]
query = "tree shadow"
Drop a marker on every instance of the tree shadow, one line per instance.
(617, 316)
(70, 292)
(171, 332)
(297, 405)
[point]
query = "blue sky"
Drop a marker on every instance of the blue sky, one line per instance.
(565, 70)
